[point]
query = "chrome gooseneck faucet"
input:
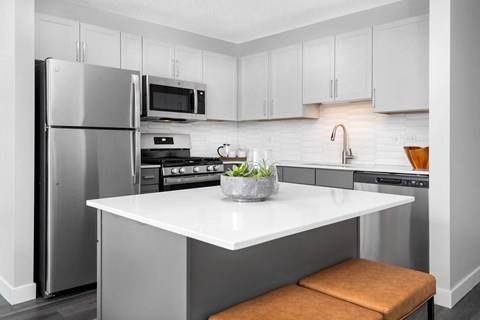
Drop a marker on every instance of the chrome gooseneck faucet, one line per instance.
(347, 152)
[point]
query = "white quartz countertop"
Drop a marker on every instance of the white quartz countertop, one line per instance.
(207, 215)
(353, 167)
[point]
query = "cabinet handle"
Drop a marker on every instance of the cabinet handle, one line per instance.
(173, 68)
(265, 107)
(336, 88)
(271, 107)
(148, 177)
(83, 51)
(374, 98)
(77, 51)
(178, 67)
(331, 88)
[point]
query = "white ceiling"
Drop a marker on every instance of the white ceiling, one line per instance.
(236, 21)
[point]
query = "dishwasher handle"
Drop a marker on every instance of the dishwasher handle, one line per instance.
(391, 181)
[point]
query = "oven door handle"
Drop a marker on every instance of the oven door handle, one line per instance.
(191, 179)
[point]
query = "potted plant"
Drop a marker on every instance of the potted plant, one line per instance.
(250, 183)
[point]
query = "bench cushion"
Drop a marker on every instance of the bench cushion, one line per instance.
(296, 303)
(393, 291)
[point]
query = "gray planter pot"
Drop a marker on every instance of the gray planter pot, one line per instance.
(248, 189)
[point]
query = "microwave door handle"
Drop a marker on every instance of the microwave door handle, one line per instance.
(195, 99)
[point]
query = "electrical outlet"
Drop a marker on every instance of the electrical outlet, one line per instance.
(398, 140)
(410, 139)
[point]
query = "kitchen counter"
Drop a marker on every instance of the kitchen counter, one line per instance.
(191, 253)
(217, 220)
(353, 167)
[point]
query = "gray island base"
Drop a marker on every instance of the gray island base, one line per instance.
(206, 255)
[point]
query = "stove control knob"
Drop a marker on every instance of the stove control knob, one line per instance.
(182, 170)
(210, 168)
(196, 169)
(216, 168)
(174, 171)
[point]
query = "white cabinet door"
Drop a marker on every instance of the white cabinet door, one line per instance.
(131, 52)
(353, 65)
(254, 86)
(318, 70)
(220, 76)
(158, 58)
(400, 66)
(100, 46)
(286, 82)
(188, 64)
(57, 38)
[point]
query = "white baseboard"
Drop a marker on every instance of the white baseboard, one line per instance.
(15, 295)
(449, 298)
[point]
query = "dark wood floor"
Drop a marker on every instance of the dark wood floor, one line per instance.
(75, 306)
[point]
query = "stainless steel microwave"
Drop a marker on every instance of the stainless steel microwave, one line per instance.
(175, 100)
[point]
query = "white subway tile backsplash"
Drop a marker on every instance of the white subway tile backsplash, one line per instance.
(374, 138)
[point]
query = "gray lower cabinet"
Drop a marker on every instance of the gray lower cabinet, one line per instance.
(148, 273)
(150, 178)
(334, 178)
(298, 175)
(321, 177)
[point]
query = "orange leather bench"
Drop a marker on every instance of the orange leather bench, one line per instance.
(392, 291)
(293, 302)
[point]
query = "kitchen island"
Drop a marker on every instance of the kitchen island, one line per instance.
(191, 253)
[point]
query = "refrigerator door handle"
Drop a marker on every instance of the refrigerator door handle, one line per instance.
(135, 160)
(135, 100)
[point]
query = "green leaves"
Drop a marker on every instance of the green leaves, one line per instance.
(259, 171)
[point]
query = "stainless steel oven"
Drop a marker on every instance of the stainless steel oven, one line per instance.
(169, 99)
(168, 165)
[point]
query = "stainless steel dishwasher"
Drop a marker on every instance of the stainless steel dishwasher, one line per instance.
(397, 236)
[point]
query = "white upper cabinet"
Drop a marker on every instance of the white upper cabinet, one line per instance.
(57, 38)
(400, 66)
(158, 58)
(100, 46)
(188, 64)
(131, 52)
(220, 76)
(169, 61)
(286, 82)
(318, 70)
(254, 86)
(353, 65)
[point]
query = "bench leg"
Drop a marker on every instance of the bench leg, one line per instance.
(430, 309)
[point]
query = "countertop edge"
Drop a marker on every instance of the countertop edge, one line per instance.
(242, 244)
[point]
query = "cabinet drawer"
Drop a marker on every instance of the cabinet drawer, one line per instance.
(150, 176)
(149, 189)
(298, 175)
(334, 178)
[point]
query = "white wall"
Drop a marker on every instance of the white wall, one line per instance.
(17, 145)
(86, 14)
(374, 138)
(455, 132)
(440, 182)
(465, 146)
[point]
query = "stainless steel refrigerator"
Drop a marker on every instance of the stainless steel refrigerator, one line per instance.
(87, 147)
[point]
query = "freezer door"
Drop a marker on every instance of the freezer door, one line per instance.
(83, 164)
(84, 95)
